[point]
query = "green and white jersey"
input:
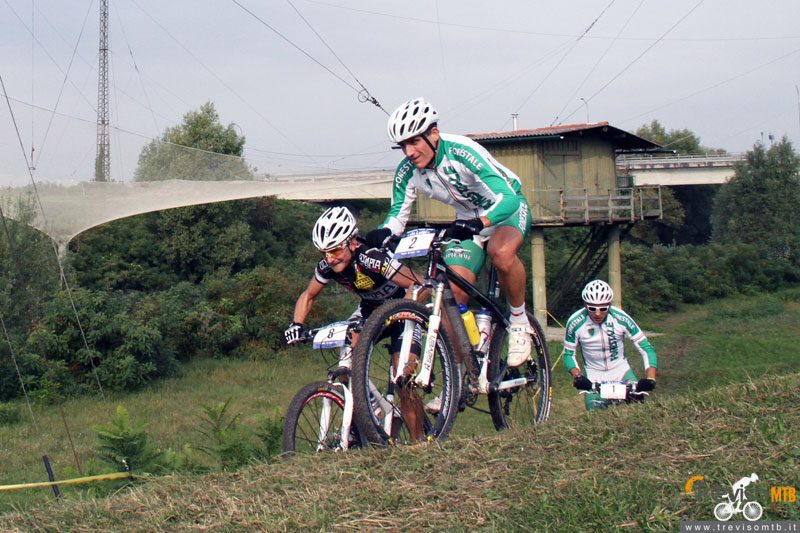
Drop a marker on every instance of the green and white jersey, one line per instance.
(464, 175)
(602, 345)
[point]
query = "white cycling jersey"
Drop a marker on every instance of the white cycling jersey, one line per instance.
(603, 345)
(464, 175)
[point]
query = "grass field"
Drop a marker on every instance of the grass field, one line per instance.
(726, 405)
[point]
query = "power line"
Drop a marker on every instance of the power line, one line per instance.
(629, 65)
(594, 67)
(363, 94)
(216, 77)
(548, 34)
(564, 56)
(715, 85)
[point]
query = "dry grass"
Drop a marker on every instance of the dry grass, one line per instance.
(620, 469)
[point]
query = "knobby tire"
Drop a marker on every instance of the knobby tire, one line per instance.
(520, 406)
(372, 361)
(302, 423)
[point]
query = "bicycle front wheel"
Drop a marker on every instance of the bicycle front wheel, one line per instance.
(398, 412)
(313, 423)
(526, 404)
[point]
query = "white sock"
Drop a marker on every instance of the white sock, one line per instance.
(518, 315)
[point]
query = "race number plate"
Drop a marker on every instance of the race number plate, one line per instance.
(331, 336)
(612, 391)
(415, 243)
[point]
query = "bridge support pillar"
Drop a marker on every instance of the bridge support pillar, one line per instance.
(615, 264)
(539, 281)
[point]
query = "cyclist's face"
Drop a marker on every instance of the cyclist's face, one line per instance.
(340, 258)
(597, 313)
(419, 151)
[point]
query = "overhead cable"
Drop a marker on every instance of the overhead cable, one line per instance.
(629, 65)
(594, 67)
(564, 56)
(363, 94)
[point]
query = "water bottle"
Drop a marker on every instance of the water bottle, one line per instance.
(483, 318)
(469, 322)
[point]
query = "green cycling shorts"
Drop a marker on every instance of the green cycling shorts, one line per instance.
(471, 254)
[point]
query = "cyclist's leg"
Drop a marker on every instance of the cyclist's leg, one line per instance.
(346, 352)
(466, 258)
(503, 246)
(629, 376)
(411, 408)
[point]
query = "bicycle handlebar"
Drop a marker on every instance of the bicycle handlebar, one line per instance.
(630, 389)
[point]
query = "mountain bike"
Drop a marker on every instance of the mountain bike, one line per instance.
(609, 393)
(517, 397)
(320, 416)
(751, 510)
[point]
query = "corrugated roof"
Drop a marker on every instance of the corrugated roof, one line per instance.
(622, 139)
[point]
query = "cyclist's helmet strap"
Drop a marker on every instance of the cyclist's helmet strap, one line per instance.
(597, 292)
(334, 228)
(411, 119)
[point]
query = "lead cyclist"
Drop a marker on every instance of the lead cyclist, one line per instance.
(600, 328)
(492, 215)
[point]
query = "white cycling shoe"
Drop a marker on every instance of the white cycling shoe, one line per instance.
(519, 344)
(434, 406)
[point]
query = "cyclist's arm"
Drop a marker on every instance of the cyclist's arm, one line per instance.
(507, 201)
(637, 336)
(570, 347)
(648, 356)
(571, 342)
(306, 300)
(403, 195)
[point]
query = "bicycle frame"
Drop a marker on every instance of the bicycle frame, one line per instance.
(438, 278)
(332, 336)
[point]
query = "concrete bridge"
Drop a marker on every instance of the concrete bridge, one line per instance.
(679, 169)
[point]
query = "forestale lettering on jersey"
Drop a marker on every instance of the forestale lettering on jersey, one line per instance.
(626, 321)
(465, 154)
(613, 345)
(402, 172)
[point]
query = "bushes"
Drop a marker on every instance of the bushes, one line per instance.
(661, 278)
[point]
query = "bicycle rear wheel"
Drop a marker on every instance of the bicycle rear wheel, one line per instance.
(313, 423)
(525, 405)
(372, 366)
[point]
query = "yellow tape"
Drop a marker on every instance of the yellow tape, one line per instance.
(87, 479)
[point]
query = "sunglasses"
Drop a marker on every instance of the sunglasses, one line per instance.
(336, 252)
(594, 309)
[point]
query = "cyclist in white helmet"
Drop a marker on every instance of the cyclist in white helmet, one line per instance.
(492, 215)
(373, 274)
(600, 328)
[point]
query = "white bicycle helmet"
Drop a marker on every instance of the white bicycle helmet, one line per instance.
(411, 119)
(334, 228)
(597, 292)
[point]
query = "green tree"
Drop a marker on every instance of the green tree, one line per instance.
(759, 204)
(683, 141)
(200, 149)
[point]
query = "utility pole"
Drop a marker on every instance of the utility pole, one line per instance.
(102, 163)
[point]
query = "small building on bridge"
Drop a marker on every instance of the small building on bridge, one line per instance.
(569, 176)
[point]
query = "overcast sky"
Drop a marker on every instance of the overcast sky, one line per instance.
(287, 73)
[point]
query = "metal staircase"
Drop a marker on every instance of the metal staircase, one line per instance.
(585, 263)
